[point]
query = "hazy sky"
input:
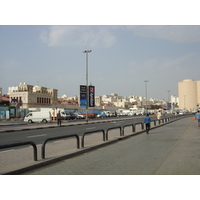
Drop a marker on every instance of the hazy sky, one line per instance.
(122, 57)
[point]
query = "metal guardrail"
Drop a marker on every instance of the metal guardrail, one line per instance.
(91, 132)
(117, 127)
(22, 144)
(142, 125)
(57, 138)
(154, 121)
(133, 128)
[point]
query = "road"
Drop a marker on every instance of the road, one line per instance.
(38, 136)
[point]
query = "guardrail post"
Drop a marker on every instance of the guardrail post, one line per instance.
(56, 138)
(22, 144)
(133, 128)
(90, 132)
(112, 129)
(142, 126)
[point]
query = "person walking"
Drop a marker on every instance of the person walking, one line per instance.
(147, 121)
(159, 114)
(59, 118)
(198, 118)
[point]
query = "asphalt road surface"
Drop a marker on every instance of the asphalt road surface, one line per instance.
(38, 136)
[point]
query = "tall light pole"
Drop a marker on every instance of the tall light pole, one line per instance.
(184, 102)
(87, 95)
(146, 94)
(168, 104)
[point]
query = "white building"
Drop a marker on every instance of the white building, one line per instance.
(174, 100)
(26, 96)
(189, 94)
(98, 100)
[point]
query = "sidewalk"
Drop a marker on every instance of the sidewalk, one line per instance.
(169, 149)
(172, 149)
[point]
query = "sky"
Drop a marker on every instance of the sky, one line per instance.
(122, 57)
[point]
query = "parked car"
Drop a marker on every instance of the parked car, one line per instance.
(72, 117)
(79, 116)
(181, 112)
(67, 115)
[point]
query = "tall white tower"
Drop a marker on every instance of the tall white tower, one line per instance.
(189, 94)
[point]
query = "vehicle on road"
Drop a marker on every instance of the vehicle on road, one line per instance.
(39, 116)
(53, 111)
(101, 114)
(72, 116)
(107, 113)
(79, 116)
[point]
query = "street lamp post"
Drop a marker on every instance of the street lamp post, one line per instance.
(146, 94)
(87, 93)
(168, 95)
(184, 102)
(168, 105)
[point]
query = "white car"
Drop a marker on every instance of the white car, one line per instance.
(79, 116)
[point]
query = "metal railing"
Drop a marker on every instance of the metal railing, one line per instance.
(91, 132)
(22, 144)
(117, 127)
(57, 138)
(133, 128)
(142, 125)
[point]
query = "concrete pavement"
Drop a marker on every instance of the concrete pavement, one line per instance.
(173, 149)
(169, 149)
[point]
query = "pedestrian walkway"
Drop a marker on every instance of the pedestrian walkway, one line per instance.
(172, 149)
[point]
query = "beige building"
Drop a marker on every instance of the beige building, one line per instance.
(189, 94)
(26, 96)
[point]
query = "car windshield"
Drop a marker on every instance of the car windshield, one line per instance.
(30, 114)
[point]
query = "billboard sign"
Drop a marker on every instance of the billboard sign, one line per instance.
(83, 96)
(91, 96)
(169, 106)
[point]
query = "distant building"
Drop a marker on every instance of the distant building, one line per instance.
(26, 96)
(98, 100)
(174, 101)
(189, 94)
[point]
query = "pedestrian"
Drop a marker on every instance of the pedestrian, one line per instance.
(159, 114)
(59, 118)
(147, 121)
(198, 118)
